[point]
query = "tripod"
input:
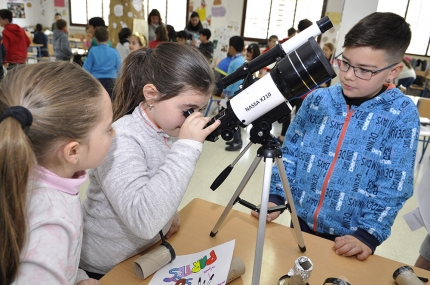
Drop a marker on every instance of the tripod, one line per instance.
(270, 149)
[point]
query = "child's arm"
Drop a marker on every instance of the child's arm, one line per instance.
(349, 246)
(395, 176)
(89, 61)
(146, 203)
(46, 258)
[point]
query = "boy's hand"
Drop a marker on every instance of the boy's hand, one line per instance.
(271, 216)
(174, 227)
(349, 246)
(89, 282)
(193, 127)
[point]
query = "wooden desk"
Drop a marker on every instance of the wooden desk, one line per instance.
(280, 250)
(75, 42)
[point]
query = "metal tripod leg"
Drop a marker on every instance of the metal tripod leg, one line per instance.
(236, 194)
(258, 258)
(289, 198)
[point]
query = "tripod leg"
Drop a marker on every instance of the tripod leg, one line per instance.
(262, 223)
(290, 202)
(235, 195)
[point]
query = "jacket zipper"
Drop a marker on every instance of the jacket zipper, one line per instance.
(333, 164)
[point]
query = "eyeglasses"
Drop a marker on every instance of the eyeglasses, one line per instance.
(359, 72)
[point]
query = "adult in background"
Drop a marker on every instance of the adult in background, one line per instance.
(193, 29)
(54, 25)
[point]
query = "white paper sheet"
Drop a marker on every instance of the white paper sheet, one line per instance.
(203, 268)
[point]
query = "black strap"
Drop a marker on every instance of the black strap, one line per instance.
(168, 246)
(21, 114)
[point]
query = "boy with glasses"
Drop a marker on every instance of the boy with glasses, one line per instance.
(350, 151)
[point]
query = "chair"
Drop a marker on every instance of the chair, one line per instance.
(424, 112)
(426, 85)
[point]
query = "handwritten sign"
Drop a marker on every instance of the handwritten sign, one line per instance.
(203, 268)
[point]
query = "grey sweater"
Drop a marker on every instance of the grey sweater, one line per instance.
(135, 193)
(60, 43)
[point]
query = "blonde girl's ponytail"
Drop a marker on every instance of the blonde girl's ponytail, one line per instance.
(16, 161)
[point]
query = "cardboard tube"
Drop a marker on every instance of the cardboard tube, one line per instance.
(405, 276)
(237, 269)
(149, 263)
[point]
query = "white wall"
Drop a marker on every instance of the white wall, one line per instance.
(38, 12)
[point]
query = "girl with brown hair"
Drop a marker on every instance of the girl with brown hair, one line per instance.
(136, 192)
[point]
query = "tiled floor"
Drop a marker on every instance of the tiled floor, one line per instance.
(402, 245)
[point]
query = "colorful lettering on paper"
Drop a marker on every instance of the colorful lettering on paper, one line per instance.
(180, 274)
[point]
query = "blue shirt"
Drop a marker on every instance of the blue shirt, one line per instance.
(236, 62)
(103, 61)
(350, 169)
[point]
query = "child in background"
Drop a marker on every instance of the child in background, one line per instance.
(291, 32)
(41, 38)
(136, 192)
(86, 40)
(350, 151)
(103, 61)
(160, 36)
(123, 47)
(407, 76)
(171, 33)
(15, 40)
(271, 42)
(93, 23)
(60, 42)
(181, 37)
(253, 51)
(206, 46)
(52, 130)
(137, 41)
(154, 21)
(235, 48)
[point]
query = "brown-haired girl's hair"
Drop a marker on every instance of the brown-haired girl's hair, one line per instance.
(172, 67)
(64, 101)
(155, 12)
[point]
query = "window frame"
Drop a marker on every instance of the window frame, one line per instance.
(71, 23)
(242, 30)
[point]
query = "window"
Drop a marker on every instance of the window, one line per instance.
(173, 12)
(93, 8)
(264, 18)
(416, 14)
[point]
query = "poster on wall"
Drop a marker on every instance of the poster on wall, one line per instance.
(58, 3)
(17, 10)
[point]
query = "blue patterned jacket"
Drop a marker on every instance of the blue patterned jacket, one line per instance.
(350, 169)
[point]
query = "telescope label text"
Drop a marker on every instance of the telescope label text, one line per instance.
(254, 104)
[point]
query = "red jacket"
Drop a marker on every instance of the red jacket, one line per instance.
(16, 42)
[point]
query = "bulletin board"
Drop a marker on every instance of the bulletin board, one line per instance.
(122, 15)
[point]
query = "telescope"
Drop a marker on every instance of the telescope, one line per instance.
(301, 66)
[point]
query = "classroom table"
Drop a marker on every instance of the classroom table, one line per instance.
(280, 250)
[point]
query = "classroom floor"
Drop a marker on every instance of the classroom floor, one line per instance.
(402, 245)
